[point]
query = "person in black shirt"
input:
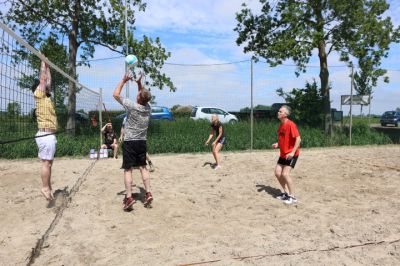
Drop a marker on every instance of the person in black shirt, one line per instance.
(220, 140)
(110, 139)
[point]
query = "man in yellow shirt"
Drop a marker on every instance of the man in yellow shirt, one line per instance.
(47, 127)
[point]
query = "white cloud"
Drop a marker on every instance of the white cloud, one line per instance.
(394, 11)
(185, 16)
(201, 32)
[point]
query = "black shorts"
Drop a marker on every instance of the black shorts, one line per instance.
(109, 146)
(134, 154)
(291, 162)
(222, 140)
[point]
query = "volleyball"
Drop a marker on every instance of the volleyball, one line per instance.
(131, 59)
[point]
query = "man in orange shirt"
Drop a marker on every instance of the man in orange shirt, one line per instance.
(289, 144)
(47, 127)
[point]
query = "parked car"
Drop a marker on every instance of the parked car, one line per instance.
(157, 113)
(161, 113)
(390, 117)
(81, 117)
(200, 112)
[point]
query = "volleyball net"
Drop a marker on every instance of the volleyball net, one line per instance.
(20, 67)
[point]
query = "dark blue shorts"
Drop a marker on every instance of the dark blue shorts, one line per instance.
(222, 140)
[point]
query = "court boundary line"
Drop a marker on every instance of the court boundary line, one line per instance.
(335, 248)
(68, 195)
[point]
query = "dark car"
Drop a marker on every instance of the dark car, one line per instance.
(81, 117)
(157, 113)
(390, 117)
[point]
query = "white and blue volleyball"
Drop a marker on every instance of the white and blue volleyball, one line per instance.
(131, 60)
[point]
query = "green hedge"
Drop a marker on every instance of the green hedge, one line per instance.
(185, 135)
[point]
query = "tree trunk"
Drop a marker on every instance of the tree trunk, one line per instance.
(324, 73)
(73, 49)
(324, 77)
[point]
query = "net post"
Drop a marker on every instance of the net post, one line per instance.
(251, 105)
(351, 103)
(100, 115)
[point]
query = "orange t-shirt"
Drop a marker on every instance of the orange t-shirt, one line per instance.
(287, 134)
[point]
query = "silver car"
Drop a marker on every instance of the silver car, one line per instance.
(203, 112)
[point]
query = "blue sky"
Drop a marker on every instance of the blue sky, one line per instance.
(201, 32)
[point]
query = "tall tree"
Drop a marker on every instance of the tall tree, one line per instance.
(291, 29)
(306, 103)
(366, 78)
(86, 24)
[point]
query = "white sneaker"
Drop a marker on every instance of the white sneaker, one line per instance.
(217, 167)
(282, 196)
(290, 200)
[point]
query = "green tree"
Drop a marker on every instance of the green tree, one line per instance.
(87, 24)
(306, 103)
(257, 107)
(57, 54)
(367, 77)
(291, 29)
(13, 109)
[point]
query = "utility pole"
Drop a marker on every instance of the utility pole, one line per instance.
(127, 47)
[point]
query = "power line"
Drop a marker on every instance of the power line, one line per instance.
(216, 64)
(226, 63)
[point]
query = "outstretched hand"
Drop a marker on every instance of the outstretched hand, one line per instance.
(127, 76)
(140, 77)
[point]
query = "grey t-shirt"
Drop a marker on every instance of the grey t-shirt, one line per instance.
(137, 120)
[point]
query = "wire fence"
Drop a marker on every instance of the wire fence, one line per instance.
(19, 72)
(241, 88)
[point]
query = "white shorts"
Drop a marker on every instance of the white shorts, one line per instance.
(46, 145)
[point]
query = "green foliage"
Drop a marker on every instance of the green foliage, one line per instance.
(306, 104)
(293, 29)
(88, 24)
(186, 136)
(13, 109)
(257, 107)
(180, 111)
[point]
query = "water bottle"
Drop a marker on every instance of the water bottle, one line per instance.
(91, 156)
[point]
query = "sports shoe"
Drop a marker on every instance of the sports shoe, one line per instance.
(128, 202)
(282, 196)
(148, 199)
(289, 200)
(216, 167)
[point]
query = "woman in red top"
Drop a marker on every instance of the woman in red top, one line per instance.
(289, 144)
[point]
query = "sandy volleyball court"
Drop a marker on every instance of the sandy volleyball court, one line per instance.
(348, 211)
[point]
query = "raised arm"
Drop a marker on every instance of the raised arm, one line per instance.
(118, 89)
(48, 79)
(104, 128)
(139, 83)
(43, 76)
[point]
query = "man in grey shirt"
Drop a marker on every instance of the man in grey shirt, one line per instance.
(135, 136)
